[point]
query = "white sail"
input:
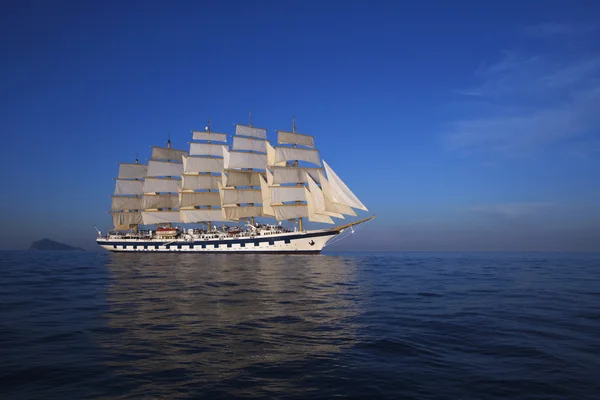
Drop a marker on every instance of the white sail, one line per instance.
(243, 143)
(206, 149)
(163, 185)
(212, 136)
(269, 177)
(289, 211)
(265, 190)
(341, 193)
(201, 215)
(160, 201)
(280, 194)
(295, 138)
(124, 186)
(192, 199)
(250, 131)
(164, 168)
(126, 203)
(163, 153)
(236, 212)
(132, 171)
(202, 164)
(292, 174)
(236, 159)
(241, 178)
(331, 205)
(160, 217)
(240, 196)
(271, 157)
(195, 182)
(291, 154)
(318, 200)
(312, 213)
(121, 219)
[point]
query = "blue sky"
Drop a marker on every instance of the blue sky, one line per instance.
(468, 126)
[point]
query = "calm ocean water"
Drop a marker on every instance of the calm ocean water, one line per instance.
(354, 325)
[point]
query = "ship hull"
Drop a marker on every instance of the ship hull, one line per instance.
(308, 242)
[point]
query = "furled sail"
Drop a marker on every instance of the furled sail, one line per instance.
(295, 138)
(245, 130)
(292, 153)
(210, 136)
(167, 153)
(132, 171)
(341, 193)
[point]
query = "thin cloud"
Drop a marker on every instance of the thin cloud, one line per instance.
(531, 130)
(512, 210)
(552, 29)
(535, 101)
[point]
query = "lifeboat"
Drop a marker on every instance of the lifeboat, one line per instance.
(167, 231)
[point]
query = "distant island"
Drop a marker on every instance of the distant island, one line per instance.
(47, 244)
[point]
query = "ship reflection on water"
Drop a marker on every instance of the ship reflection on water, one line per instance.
(230, 323)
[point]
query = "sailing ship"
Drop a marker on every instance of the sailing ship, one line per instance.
(214, 185)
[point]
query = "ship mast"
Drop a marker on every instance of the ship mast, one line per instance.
(296, 164)
(208, 223)
(250, 169)
(200, 200)
(168, 177)
(291, 199)
(242, 173)
(161, 187)
(126, 202)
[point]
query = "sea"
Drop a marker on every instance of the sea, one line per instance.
(92, 325)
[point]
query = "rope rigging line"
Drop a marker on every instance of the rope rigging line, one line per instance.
(346, 233)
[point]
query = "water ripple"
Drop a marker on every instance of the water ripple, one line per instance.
(380, 325)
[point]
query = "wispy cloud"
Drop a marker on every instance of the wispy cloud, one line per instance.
(552, 29)
(512, 210)
(522, 133)
(535, 101)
